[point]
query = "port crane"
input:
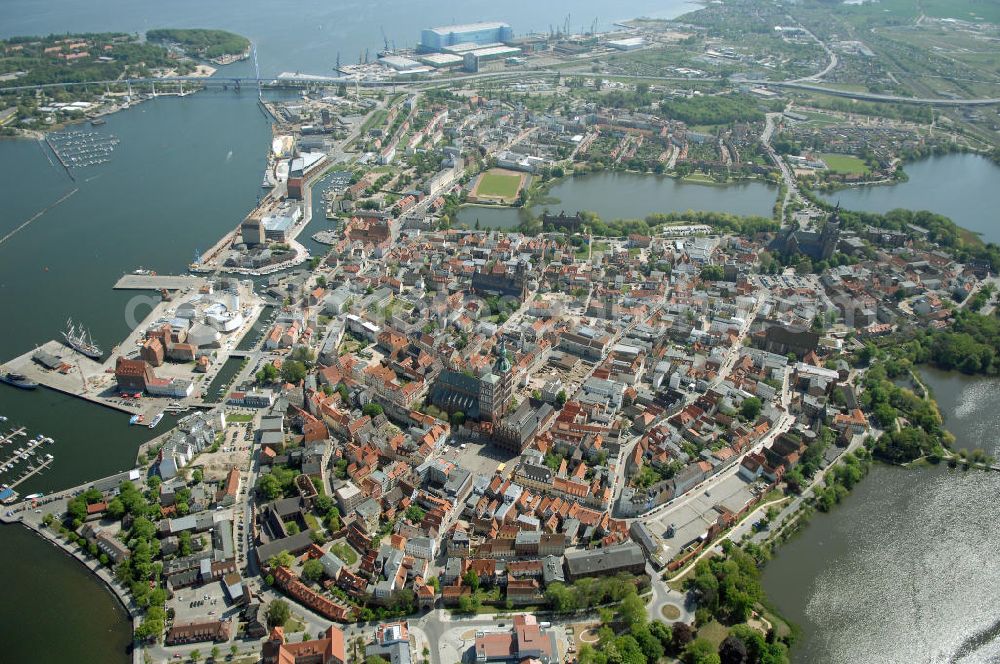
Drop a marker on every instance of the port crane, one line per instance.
(385, 40)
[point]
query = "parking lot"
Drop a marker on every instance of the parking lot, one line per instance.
(199, 604)
(233, 452)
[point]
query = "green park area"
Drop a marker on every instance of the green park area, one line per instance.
(845, 163)
(498, 184)
(894, 10)
(204, 43)
(817, 120)
(343, 551)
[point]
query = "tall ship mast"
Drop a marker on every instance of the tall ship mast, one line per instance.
(79, 339)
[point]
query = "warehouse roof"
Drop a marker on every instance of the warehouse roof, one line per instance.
(581, 563)
(469, 27)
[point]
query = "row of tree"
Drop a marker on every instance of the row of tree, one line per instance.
(589, 592)
(712, 109)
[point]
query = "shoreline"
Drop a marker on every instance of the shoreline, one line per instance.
(196, 87)
(902, 163)
(52, 537)
(103, 577)
(37, 135)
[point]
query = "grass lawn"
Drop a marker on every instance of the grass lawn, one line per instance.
(374, 120)
(350, 346)
(704, 129)
(671, 612)
(781, 628)
(970, 237)
(501, 185)
(818, 119)
(773, 494)
(968, 10)
(845, 163)
(239, 417)
(699, 178)
(343, 551)
(714, 631)
(312, 522)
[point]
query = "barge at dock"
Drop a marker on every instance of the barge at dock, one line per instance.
(18, 380)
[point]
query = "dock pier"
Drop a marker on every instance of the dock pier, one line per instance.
(20, 431)
(24, 478)
(158, 282)
(59, 157)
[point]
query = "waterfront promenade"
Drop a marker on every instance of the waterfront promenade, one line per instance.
(31, 516)
(213, 260)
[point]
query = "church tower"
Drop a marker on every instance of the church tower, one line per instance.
(497, 387)
(830, 237)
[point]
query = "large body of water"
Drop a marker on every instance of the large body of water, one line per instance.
(616, 195)
(53, 610)
(904, 570)
(963, 187)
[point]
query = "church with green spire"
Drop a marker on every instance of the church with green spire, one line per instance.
(485, 397)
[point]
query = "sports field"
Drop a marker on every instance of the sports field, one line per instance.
(498, 184)
(845, 163)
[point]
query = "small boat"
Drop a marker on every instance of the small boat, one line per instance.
(34, 496)
(97, 122)
(156, 420)
(134, 419)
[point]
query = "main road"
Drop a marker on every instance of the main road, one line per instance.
(871, 96)
(307, 80)
(791, 188)
(831, 65)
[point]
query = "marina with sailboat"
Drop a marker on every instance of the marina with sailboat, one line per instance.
(21, 457)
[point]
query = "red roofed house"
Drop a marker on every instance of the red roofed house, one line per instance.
(327, 649)
(525, 641)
